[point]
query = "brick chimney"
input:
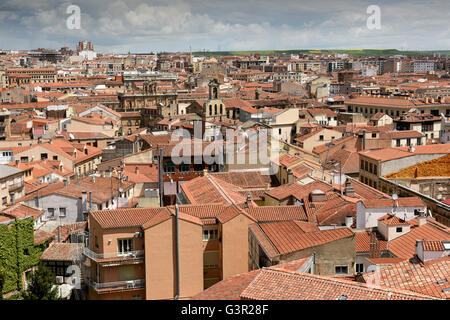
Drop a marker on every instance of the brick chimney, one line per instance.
(421, 219)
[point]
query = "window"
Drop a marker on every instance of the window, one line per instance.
(51, 212)
(359, 268)
(3, 185)
(398, 142)
(375, 169)
(62, 212)
(184, 167)
(55, 157)
(210, 234)
(4, 200)
(96, 241)
(340, 270)
(374, 135)
(44, 156)
(169, 167)
(320, 138)
(136, 297)
(124, 245)
(399, 229)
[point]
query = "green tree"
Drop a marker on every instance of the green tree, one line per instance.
(40, 285)
(2, 282)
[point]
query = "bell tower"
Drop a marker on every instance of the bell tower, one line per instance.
(213, 89)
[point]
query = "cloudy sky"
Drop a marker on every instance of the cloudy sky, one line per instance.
(174, 25)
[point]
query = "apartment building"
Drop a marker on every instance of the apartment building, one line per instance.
(283, 241)
(70, 201)
(80, 158)
(5, 124)
(379, 163)
(12, 186)
(35, 75)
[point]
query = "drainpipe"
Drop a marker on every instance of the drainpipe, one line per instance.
(161, 180)
(177, 253)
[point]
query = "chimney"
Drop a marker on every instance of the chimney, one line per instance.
(317, 196)
(421, 219)
(247, 201)
(59, 234)
(419, 250)
(84, 201)
(90, 200)
(364, 140)
(348, 221)
(290, 176)
(349, 191)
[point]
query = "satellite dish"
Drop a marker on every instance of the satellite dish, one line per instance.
(394, 196)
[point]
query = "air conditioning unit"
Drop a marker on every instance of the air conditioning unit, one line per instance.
(59, 279)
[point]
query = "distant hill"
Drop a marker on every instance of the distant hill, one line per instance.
(352, 52)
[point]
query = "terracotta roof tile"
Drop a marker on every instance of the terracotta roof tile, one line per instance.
(275, 284)
(429, 279)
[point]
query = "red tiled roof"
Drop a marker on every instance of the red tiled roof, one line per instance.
(430, 245)
(363, 242)
(276, 284)
(232, 287)
(392, 220)
(429, 279)
(287, 236)
(405, 245)
(277, 213)
(401, 202)
(126, 217)
(62, 251)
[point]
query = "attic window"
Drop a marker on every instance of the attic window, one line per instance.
(399, 229)
(441, 281)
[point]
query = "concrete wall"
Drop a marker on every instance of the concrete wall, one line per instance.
(73, 207)
(368, 217)
(398, 164)
(340, 252)
(160, 260)
(235, 246)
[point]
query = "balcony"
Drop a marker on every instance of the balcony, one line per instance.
(113, 256)
(103, 287)
(15, 186)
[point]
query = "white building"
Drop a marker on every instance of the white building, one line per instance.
(369, 211)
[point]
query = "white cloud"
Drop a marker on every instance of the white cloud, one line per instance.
(233, 25)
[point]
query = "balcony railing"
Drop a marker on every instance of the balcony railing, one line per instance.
(118, 285)
(15, 186)
(113, 256)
